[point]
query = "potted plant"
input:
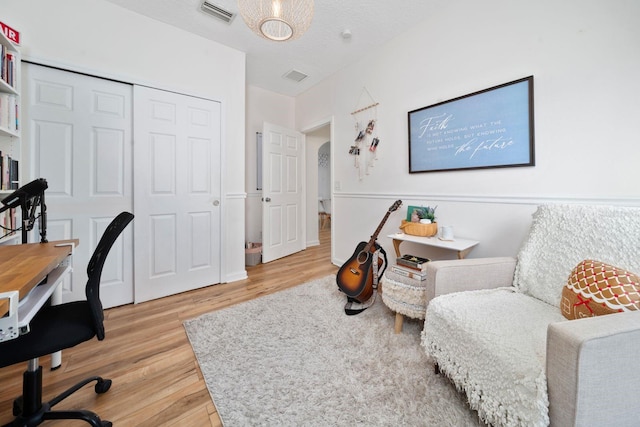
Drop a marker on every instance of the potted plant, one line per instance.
(426, 215)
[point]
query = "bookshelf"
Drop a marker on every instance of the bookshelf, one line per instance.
(10, 128)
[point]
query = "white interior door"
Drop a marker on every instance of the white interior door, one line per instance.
(283, 180)
(177, 190)
(77, 135)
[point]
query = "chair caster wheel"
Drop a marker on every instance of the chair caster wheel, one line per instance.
(103, 386)
(106, 424)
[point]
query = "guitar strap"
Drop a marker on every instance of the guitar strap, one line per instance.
(353, 307)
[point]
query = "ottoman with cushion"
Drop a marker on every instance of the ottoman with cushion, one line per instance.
(404, 295)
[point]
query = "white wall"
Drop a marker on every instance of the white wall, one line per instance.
(584, 57)
(103, 39)
(262, 106)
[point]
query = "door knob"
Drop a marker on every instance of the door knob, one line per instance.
(268, 199)
(216, 202)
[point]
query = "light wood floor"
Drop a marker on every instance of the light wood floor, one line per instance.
(156, 379)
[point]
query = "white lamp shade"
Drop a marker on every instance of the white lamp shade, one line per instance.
(277, 20)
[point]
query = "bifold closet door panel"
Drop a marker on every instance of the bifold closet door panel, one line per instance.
(78, 136)
(177, 178)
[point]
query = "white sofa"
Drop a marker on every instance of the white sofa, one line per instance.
(505, 342)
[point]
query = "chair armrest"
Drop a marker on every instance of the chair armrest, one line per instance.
(444, 277)
(592, 370)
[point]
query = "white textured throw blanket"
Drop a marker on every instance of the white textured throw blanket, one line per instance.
(563, 235)
(498, 356)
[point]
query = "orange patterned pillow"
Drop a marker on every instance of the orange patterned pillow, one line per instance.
(595, 288)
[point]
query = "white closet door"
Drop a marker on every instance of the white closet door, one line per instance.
(177, 193)
(78, 137)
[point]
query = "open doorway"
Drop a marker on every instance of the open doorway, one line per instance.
(320, 215)
(324, 192)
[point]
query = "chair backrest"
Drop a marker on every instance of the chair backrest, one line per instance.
(96, 263)
(563, 235)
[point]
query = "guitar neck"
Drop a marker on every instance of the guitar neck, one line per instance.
(375, 234)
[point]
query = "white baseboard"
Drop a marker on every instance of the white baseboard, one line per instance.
(234, 277)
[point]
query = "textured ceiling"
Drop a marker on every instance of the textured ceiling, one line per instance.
(320, 52)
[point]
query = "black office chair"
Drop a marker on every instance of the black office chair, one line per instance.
(58, 327)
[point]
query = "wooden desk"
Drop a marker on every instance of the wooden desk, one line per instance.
(22, 267)
(461, 246)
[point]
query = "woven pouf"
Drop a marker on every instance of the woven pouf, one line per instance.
(405, 296)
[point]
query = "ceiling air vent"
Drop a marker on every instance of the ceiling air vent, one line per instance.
(218, 12)
(295, 75)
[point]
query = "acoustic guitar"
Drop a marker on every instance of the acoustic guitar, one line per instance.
(355, 277)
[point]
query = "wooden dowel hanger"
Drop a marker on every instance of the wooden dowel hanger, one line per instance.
(365, 108)
(372, 105)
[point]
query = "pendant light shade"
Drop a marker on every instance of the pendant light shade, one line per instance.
(277, 20)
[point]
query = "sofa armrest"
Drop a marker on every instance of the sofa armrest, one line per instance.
(592, 370)
(445, 277)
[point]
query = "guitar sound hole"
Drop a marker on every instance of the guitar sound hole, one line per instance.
(363, 257)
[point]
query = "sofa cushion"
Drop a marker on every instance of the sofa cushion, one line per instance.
(563, 235)
(595, 288)
(492, 344)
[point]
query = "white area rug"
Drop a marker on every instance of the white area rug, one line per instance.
(295, 359)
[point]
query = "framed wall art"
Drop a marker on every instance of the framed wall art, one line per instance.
(491, 128)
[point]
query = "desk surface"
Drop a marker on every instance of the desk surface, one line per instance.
(22, 267)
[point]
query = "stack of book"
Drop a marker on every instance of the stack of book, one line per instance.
(7, 66)
(411, 266)
(8, 172)
(9, 106)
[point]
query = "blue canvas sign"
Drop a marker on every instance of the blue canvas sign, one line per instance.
(486, 129)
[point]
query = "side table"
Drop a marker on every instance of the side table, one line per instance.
(398, 292)
(460, 245)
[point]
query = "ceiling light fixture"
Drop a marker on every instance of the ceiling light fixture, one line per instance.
(278, 20)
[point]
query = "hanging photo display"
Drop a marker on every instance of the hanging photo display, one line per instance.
(366, 141)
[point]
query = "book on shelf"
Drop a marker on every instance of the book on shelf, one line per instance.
(4, 171)
(8, 67)
(14, 183)
(9, 112)
(413, 261)
(9, 172)
(409, 272)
